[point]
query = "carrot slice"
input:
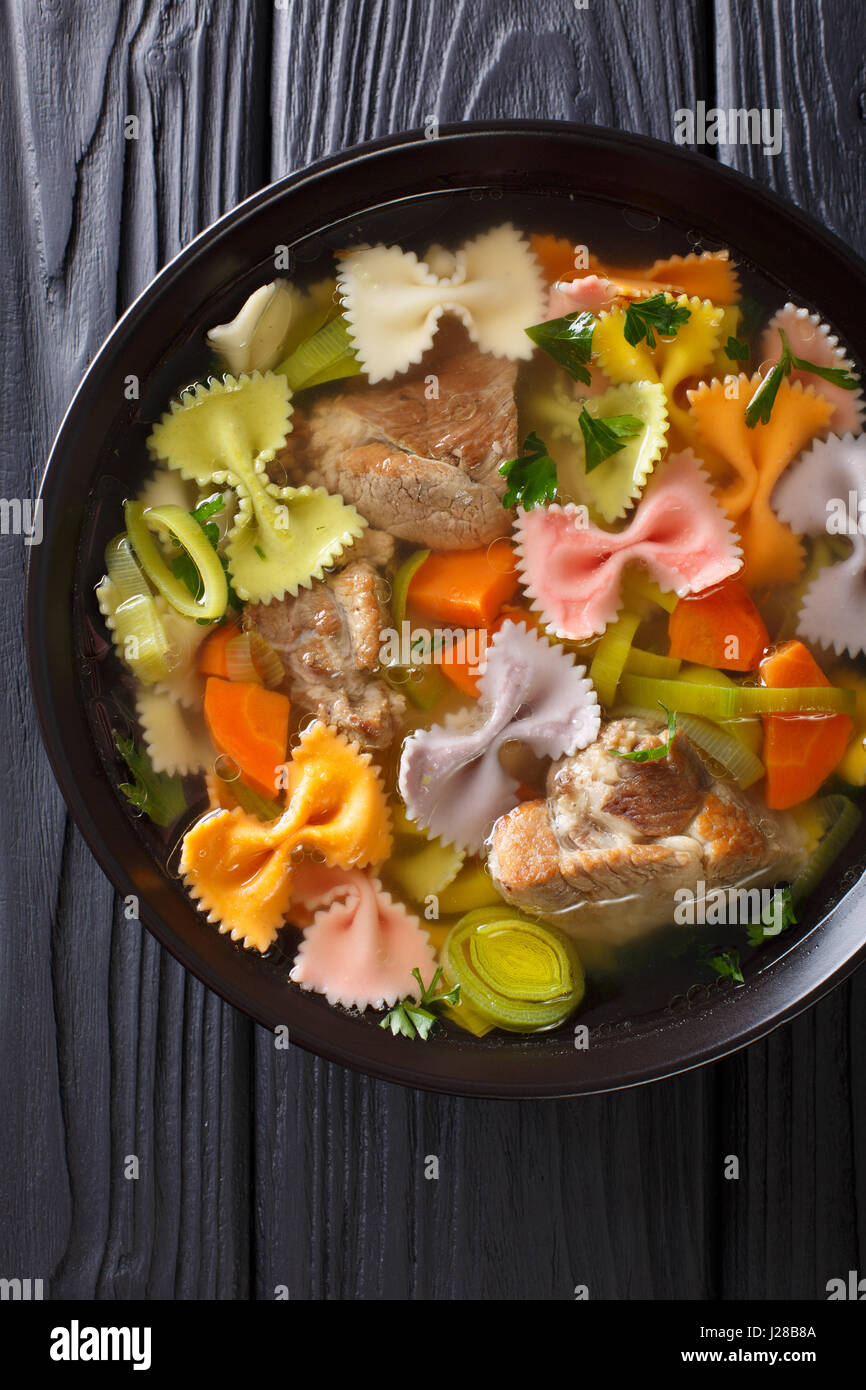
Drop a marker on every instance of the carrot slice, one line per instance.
(720, 627)
(212, 652)
(460, 661)
(800, 751)
(250, 725)
(464, 587)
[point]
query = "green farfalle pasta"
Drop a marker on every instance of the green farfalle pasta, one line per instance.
(616, 484)
(226, 433)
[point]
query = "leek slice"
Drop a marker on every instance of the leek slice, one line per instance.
(638, 585)
(735, 758)
(841, 818)
(239, 660)
(641, 663)
(424, 685)
(748, 731)
(214, 590)
(733, 702)
(514, 973)
(328, 354)
(611, 655)
(400, 584)
(127, 604)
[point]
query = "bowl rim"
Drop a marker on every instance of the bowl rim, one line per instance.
(724, 1025)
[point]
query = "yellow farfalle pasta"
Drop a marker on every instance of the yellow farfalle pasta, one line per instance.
(227, 433)
(240, 869)
(672, 361)
(754, 460)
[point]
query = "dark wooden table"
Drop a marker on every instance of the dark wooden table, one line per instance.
(260, 1168)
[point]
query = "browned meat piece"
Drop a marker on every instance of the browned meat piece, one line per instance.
(605, 853)
(418, 457)
(328, 639)
(376, 546)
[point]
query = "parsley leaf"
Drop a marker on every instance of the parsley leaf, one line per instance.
(411, 1017)
(605, 436)
(760, 406)
(648, 755)
(727, 965)
(659, 313)
(755, 931)
(737, 351)
(531, 476)
(568, 341)
(155, 793)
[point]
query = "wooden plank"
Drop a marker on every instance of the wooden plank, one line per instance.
(531, 1199)
(796, 1217)
(109, 1049)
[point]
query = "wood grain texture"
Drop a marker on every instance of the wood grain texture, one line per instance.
(109, 1049)
(262, 1168)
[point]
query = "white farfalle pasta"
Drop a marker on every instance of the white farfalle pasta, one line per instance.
(393, 301)
(254, 338)
(175, 738)
(451, 778)
(823, 491)
(812, 341)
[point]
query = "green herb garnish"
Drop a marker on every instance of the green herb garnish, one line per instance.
(531, 476)
(760, 407)
(648, 755)
(604, 437)
(568, 341)
(659, 313)
(158, 795)
(727, 965)
(411, 1017)
(756, 931)
(737, 351)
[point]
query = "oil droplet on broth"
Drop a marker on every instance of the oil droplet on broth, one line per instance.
(226, 769)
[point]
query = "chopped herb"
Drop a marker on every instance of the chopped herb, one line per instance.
(259, 551)
(659, 313)
(760, 406)
(737, 351)
(756, 931)
(155, 793)
(531, 476)
(568, 341)
(648, 755)
(727, 965)
(604, 437)
(411, 1017)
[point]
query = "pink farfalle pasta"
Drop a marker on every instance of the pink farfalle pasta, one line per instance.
(450, 776)
(362, 946)
(812, 341)
(572, 570)
(589, 294)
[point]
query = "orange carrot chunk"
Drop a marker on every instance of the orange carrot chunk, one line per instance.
(212, 652)
(465, 587)
(250, 725)
(800, 750)
(720, 627)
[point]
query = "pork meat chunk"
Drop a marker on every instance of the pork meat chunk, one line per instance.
(605, 852)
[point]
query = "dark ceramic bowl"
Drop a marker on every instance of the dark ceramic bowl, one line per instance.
(636, 198)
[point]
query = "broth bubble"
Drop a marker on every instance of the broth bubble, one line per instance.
(226, 769)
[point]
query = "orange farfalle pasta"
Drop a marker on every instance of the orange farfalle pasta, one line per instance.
(752, 462)
(710, 275)
(240, 869)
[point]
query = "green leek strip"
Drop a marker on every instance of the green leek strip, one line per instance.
(738, 761)
(214, 591)
(748, 731)
(347, 365)
(638, 585)
(737, 701)
(318, 354)
(427, 688)
(139, 635)
(254, 804)
(400, 585)
(611, 655)
(842, 818)
(641, 663)
(514, 973)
